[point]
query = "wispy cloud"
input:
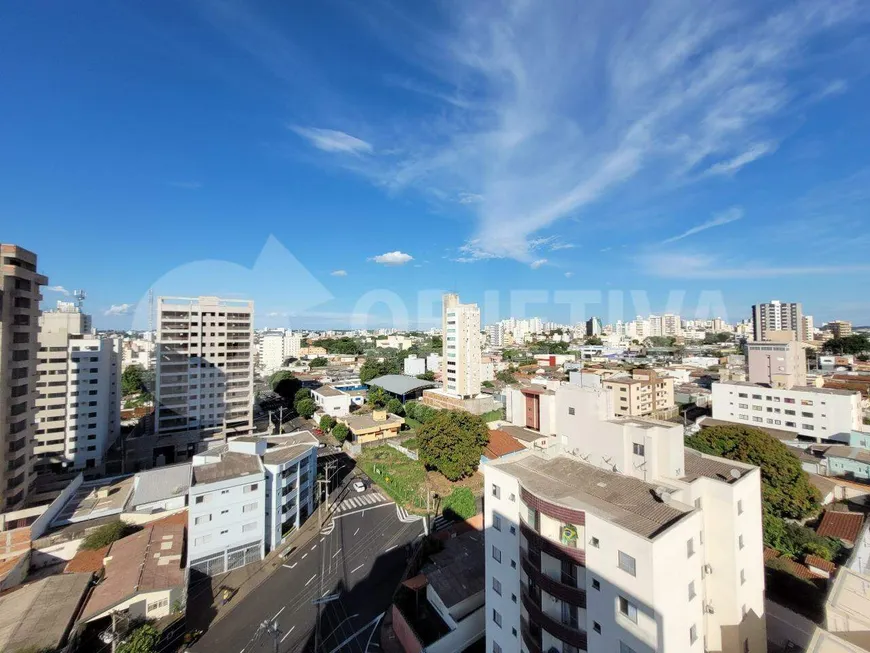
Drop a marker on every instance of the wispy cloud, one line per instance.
(469, 198)
(119, 309)
(331, 140)
(339, 273)
(392, 258)
(186, 185)
(731, 215)
(700, 265)
(538, 263)
(58, 289)
(731, 166)
(568, 275)
(834, 87)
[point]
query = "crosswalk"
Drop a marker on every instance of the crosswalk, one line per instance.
(361, 501)
(441, 522)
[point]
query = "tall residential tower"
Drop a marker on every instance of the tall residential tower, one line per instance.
(777, 316)
(461, 332)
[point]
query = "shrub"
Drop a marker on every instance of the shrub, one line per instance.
(106, 534)
(327, 422)
(340, 432)
(460, 504)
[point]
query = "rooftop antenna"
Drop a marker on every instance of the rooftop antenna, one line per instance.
(79, 296)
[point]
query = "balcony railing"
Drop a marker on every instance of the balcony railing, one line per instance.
(557, 629)
(532, 643)
(573, 595)
(548, 546)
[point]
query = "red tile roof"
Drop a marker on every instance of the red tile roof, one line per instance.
(842, 525)
(820, 563)
(770, 554)
(87, 561)
(501, 444)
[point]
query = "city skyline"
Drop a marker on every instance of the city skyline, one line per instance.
(422, 152)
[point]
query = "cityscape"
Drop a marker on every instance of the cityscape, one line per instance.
(435, 328)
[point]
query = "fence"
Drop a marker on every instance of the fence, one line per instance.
(411, 454)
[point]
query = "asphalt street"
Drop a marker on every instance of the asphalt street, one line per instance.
(351, 568)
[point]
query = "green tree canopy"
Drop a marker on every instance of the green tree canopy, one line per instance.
(327, 422)
(594, 340)
(716, 338)
(320, 361)
(374, 368)
(133, 380)
(394, 406)
(452, 442)
(786, 488)
(506, 376)
(301, 393)
(340, 432)
(285, 384)
(661, 341)
(142, 640)
(306, 407)
(377, 396)
(856, 343)
(344, 345)
(106, 534)
(428, 375)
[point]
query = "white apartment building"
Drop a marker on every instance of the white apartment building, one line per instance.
(290, 462)
(19, 328)
(618, 539)
(205, 371)
(331, 400)
(274, 347)
(495, 334)
(809, 328)
(414, 365)
(814, 414)
(79, 402)
(461, 328)
(137, 351)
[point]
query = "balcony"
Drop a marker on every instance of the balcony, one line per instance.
(559, 551)
(570, 594)
(532, 642)
(560, 631)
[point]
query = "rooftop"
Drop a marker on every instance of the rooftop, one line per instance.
(849, 596)
(161, 483)
(96, 499)
(367, 422)
(38, 616)
(501, 444)
(852, 453)
(699, 465)
(327, 391)
(797, 388)
(283, 448)
(458, 572)
(625, 501)
(399, 384)
(520, 433)
(842, 525)
(147, 561)
(825, 642)
(231, 465)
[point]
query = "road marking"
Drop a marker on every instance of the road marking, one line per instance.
(358, 568)
(322, 538)
(277, 613)
(303, 555)
(287, 634)
(356, 531)
(362, 510)
(313, 547)
(325, 595)
(336, 553)
(391, 548)
(310, 579)
(290, 566)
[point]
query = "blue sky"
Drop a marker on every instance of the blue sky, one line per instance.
(332, 160)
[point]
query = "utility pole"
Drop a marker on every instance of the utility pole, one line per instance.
(280, 420)
(269, 628)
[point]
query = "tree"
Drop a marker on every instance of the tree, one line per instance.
(594, 340)
(369, 370)
(142, 640)
(856, 343)
(716, 338)
(487, 384)
(377, 396)
(105, 535)
(428, 375)
(452, 442)
(786, 488)
(394, 406)
(301, 393)
(661, 341)
(132, 380)
(506, 376)
(306, 407)
(320, 361)
(327, 422)
(340, 432)
(285, 384)
(343, 345)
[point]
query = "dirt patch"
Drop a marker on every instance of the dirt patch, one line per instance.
(443, 487)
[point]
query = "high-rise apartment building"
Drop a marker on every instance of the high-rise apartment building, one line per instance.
(19, 344)
(809, 328)
(205, 365)
(840, 328)
(671, 325)
(593, 326)
(79, 402)
(777, 316)
(274, 347)
(461, 328)
(495, 334)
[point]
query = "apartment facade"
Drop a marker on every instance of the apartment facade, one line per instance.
(779, 364)
(79, 402)
(840, 328)
(619, 539)
(274, 347)
(461, 329)
(813, 414)
(19, 344)
(643, 394)
(777, 316)
(205, 365)
(290, 462)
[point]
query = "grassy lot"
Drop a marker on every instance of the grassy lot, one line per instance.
(411, 443)
(413, 424)
(396, 474)
(493, 415)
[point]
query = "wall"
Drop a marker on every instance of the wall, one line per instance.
(54, 554)
(405, 633)
(468, 631)
(17, 574)
(39, 527)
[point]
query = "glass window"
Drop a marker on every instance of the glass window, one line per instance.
(496, 522)
(693, 634)
(496, 491)
(496, 554)
(496, 585)
(692, 590)
(628, 609)
(627, 563)
(690, 547)
(638, 449)
(496, 617)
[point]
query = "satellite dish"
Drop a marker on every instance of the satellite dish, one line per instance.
(735, 473)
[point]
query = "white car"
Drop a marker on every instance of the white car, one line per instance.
(359, 486)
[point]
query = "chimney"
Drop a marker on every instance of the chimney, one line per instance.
(103, 493)
(379, 415)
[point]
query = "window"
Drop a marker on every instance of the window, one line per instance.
(808, 427)
(250, 526)
(792, 424)
(496, 585)
(202, 519)
(625, 648)
(496, 617)
(743, 395)
(496, 554)
(806, 414)
(512, 497)
(513, 530)
(627, 609)
(496, 491)
(806, 402)
(690, 547)
(740, 506)
(496, 648)
(596, 627)
(513, 564)
(745, 646)
(251, 488)
(570, 410)
(596, 585)
(249, 507)
(203, 498)
(693, 634)
(162, 603)
(789, 412)
(205, 539)
(788, 400)
(594, 542)
(638, 449)
(496, 522)
(627, 563)
(756, 396)
(743, 405)
(740, 541)
(756, 407)
(742, 576)
(692, 590)
(514, 631)
(757, 419)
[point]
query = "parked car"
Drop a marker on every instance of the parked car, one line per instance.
(359, 486)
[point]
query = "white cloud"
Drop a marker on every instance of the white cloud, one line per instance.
(469, 198)
(568, 275)
(339, 273)
(731, 215)
(392, 258)
(119, 309)
(700, 265)
(557, 246)
(330, 140)
(59, 289)
(536, 264)
(731, 166)
(835, 87)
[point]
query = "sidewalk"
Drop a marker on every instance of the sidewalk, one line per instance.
(204, 602)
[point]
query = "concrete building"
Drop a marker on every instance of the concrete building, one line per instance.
(19, 344)
(372, 428)
(644, 394)
(137, 351)
(840, 328)
(593, 326)
(495, 334)
(671, 325)
(331, 400)
(777, 316)
(777, 364)
(205, 366)
(414, 365)
(274, 347)
(809, 328)
(628, 543)
(813, 414)
(461, 328)
(79, 398)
